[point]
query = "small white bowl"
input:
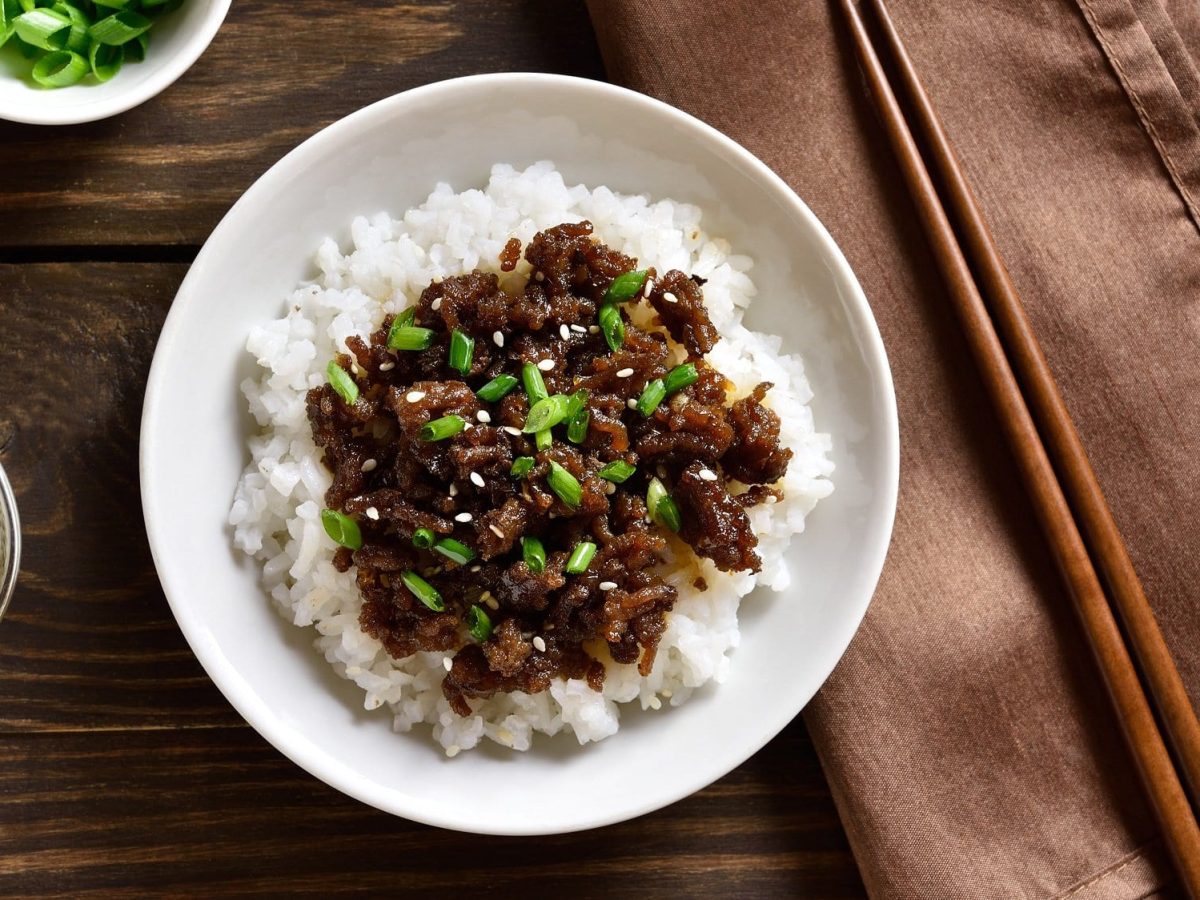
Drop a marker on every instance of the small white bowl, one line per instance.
(388, 157)
(175, 43)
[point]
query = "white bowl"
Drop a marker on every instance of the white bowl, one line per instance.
(175, 43)
(388, 156)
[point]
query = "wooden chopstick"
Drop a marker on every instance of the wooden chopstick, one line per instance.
(1167, 797)
(1054, 422)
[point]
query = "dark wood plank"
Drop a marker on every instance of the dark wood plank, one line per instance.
(124, 768)
(165, 172)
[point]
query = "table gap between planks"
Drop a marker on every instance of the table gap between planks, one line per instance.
(125, 771)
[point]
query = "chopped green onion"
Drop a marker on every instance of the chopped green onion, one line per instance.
(612, 326)
(662, 507)
(680, 377)
(410, 337)
(581, 557)
(521, 466)
(440, 429)
(625, 286)
(652, 395)
(576, 404)
(423, 591)
(535, 385)
(534, 554)
(617, 471)
(78, 42)
(546, 414)
(479, 623)
(45, 29)
(59, 69)
(454, 550)
(119, 4)
(497, 389)
(135, 50)
(105, 61)
(564, 484)
(462, 350)
(341, 382)
(343, 529)
(423, 538)
(577, 428)
(119, 28)
(543, 439)
(404, 318)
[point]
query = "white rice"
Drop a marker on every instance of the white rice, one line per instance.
(276, 507)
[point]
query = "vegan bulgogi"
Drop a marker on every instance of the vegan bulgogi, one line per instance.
(508, 470)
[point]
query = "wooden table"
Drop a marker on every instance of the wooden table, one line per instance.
(124, 769)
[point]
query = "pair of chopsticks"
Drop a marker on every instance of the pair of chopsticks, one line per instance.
(1066, 495)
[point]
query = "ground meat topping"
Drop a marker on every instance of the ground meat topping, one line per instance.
(509, 549)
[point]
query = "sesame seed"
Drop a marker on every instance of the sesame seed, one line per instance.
(771, 498)
(414, 396)
(607, 585)
(564, 332)
(463, 517)
(387, 366)
(476, 479)
(485, 596)
(648, 288)
(546, 365)
(624, 373)
(515, 432)
(609, 487)
(468, 426)
(372, 514)
(453, 750)
(369, 465)
(539, 644)
(670, 298)
(436, 304)
(483, 416)
(631, 402)
(579, 329)
(655, 703)
(593, 329)
(476, 568)
(453, 490)
(708, 475)
(496, 530)
(492, 603)
(354, 369)
(447, 663)
(498, 338)
(539, 276)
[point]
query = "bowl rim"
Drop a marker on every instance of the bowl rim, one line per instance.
(123, 101)
(241, 694)
(10, 536)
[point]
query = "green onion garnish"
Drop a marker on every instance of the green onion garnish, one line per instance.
(543, 439)
(576, 404)
(61, 68)
(404, 318)
(535, 385)
(479, 623)
(339, 526)
(617, 471)
(462, 350)
(662, 507)
(445, 427)
(581, 557)
(546, 414)
(564, 484)
(521, 466)
(534, 554)
(680, 377)
(423, 538)
(652, 395)
(45, 29)
(410, 337)
(119, 28)
(78, 41)
(625, 286)
(577, 429)
(423, 591)
(454, 550)
(339, 379)
(105, 60)
(612, 326)
(497, 389)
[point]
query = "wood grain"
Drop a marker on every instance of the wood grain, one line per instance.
(125, 771)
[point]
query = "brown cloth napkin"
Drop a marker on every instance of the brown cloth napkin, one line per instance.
(965, 734)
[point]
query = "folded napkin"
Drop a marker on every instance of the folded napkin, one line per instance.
(966, 736)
